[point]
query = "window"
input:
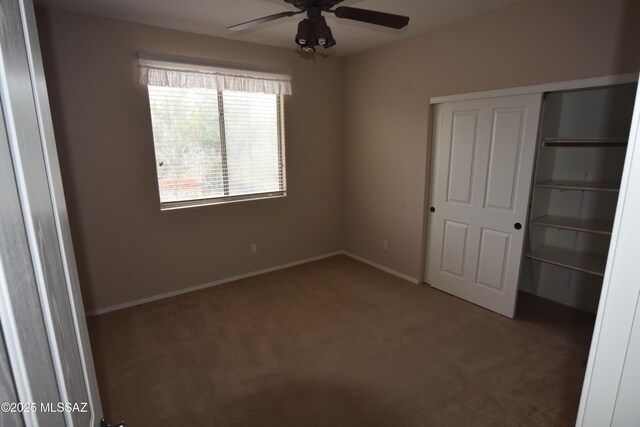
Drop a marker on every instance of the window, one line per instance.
(215, 140)
(218, 145)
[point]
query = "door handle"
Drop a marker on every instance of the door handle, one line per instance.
(517, 226)
(432, 209)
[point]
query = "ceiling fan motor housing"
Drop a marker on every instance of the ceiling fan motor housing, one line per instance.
(307, 4)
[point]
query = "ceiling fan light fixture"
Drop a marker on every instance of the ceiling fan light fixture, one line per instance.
(322, 33)
(304, 37)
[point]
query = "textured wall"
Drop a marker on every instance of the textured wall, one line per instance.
(126, 247)
(388, 131)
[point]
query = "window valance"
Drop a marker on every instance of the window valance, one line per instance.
(170, 71)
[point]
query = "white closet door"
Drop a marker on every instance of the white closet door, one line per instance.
(481, 179)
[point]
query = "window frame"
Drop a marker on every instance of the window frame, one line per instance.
(190, 203)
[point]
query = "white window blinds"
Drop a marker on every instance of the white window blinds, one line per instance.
(215, 145)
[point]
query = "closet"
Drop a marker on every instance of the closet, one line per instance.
(523, 191)
(580, 156)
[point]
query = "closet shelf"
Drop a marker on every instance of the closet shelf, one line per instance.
(569, 259)
(575, 224)
(585, 142)
(580, 185)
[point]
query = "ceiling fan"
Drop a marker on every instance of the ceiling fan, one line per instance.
(313, 30)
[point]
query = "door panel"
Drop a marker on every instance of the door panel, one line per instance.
(492, 259)
(42, 318)
(506, 141)
(463, 145)
(20, 315)
(454, 247)
(482, 164)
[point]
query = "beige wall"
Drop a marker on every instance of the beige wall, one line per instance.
(126, 248)
(387, 131)
(352, 182)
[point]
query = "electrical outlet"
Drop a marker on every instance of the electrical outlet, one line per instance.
(385, 245)
(254, 248)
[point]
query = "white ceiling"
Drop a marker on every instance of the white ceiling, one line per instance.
(212, 17)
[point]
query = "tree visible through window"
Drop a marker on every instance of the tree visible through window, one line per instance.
(213, 146)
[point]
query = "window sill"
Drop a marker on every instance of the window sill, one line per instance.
(168, 206)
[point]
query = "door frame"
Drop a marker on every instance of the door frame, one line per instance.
(541, 88)
(54, 175)
(432, 121)
(611, 388)
(31, 186)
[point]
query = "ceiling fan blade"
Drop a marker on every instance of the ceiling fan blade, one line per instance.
(262, 20)
(372, 17)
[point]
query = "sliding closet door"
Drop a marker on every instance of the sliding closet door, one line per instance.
(481, 178)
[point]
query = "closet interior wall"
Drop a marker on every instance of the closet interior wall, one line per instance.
(580, 156)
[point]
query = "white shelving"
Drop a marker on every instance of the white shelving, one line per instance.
(580, 185)
(579, 164)
(585, 142)
(570, 259)
(575, 224)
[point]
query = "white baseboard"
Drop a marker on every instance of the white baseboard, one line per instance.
(210, 284)
(250, 274)
(383, 268)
